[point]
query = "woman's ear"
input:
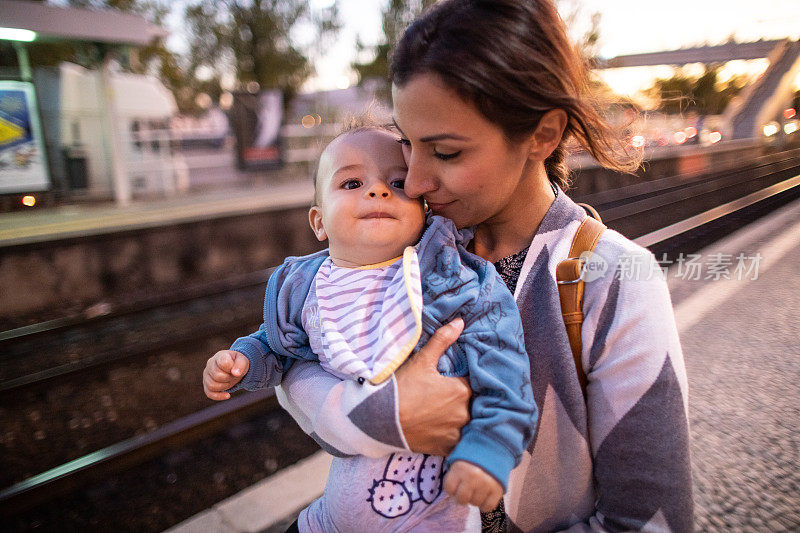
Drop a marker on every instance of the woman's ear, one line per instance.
(548, 134)
(315, 219)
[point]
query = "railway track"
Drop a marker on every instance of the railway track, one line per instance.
(646, 207)
(683, 225)
(40, 354)
(61, 479)
(107, 313)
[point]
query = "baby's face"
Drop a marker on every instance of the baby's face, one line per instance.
(363, 210)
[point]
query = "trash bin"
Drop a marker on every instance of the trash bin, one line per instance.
(76, 168)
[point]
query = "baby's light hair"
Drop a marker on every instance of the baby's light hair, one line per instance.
(352, 124)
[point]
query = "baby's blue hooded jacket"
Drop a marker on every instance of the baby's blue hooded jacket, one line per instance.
(490, 351)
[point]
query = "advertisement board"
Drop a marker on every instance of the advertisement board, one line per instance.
(23, 162)
(256, 119)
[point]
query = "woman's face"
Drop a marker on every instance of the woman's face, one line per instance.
(459, 161)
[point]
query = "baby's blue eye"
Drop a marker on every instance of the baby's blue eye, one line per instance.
(399, 184)
(351, 184)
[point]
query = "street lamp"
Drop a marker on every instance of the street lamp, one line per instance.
(17, 34)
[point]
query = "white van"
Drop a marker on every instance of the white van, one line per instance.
(78, 141)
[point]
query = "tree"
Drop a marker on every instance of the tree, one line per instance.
(154, 58)
(396, 17)
(400, 13)
(257, 40)
(702, 94)
(584, 35)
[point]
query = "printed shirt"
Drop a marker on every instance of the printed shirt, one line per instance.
(370, 317)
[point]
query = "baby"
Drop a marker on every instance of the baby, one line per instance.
(388, 280)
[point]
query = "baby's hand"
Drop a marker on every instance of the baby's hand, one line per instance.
(471, 484)
(224, 370)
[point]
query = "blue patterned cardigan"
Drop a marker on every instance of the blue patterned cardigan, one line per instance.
(619, 462)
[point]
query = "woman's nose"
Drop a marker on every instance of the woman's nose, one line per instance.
(418, 179)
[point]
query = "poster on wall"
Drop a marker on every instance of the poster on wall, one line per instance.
(256, 120)
(23, 163)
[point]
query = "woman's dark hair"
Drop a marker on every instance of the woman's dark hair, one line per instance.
(514, 61)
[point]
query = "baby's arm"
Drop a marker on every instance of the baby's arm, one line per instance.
(249, 364)
(271, 349)
(265, 367)
(503, 409)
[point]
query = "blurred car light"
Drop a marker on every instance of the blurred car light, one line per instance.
(771, 129)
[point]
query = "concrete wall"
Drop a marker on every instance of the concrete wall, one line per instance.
(52, 279)
(589, 178)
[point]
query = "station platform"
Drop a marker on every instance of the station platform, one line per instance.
(50, 224)
(739, 334)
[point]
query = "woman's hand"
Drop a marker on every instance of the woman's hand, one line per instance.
(433, 408)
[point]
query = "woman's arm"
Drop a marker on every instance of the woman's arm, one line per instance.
(637, 401)
(416, 409)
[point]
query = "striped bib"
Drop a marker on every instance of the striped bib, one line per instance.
(370, 317)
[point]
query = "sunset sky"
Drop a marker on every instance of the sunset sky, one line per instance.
(624, 29)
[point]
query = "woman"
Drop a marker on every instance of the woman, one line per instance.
(486, 93)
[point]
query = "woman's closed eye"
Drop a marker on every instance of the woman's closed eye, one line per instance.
(445, 156)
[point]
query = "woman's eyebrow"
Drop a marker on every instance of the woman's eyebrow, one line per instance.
(443, 136)
(437, 137)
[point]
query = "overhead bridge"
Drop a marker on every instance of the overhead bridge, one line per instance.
(700, 54)
(764, 100)
(760, 102)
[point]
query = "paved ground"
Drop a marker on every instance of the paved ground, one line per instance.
(743, 362)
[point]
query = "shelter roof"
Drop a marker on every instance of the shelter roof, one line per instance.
(78, 24)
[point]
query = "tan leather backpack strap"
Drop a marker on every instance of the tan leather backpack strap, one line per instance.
(569, 276)
(592, 212)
